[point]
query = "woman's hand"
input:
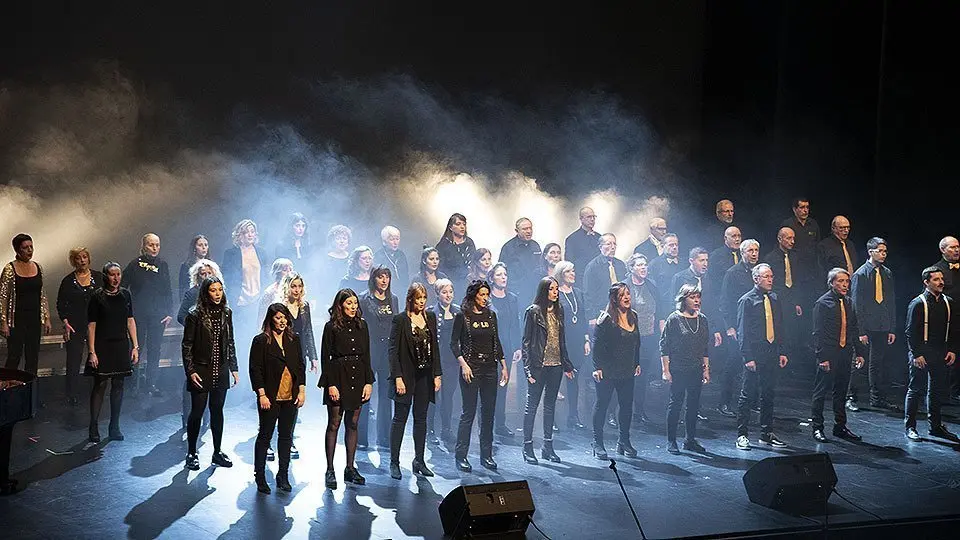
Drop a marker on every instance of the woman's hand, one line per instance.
(569, 375)
(586, 348)
(264, 402)
(196, 380)
(301, 398)
(466, 372)
(401, 388)
(135, 355)
(334, 393)
(67, 330)
(93, 360)
(636, 372)
(706, 375)
(236, 377)
(531, 380)
(598, 375)
(436, 384)
(367, 391)
(504, 375)
(313, 366)
(667, 376)
(47, 327)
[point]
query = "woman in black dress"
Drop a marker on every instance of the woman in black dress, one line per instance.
(110, 331)
(446, 311)
(358, 269)
(456, 250)
(545, 361)
(209, 353)
(429, 273)
(576, 333)
(295, 243)
(683, 355)
(415, 376)
(380, 305)
(476, 344)
(278, 376)
(616, 361)
(346, 377)
(76, 288)
(24, 314)
(199, 249)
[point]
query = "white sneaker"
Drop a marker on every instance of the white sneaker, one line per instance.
(743, 443)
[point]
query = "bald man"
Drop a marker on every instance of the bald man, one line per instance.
(949, 264)
(836, 250)
(652, 247)
(582, 245)
(148, 279)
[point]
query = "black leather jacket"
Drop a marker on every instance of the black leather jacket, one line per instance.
(535, 342)
(197, 345)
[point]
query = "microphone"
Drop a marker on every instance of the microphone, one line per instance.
(613, 465)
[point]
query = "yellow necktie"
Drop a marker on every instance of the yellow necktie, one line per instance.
(878, 285)
(613, 273)
(787, 274)
(736, 260)
(846, 256)
(843, 324)
(768, 315)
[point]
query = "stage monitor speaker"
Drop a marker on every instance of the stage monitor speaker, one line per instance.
(791, 482)
(499, 510)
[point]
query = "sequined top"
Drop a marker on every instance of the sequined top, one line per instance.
(8, 296)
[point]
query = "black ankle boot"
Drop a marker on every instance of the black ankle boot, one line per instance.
(547, 452)
(625, 449)
(599, 451)
(395, 471)
(419, 467)
(283, 482)
(93, 434)
(528, 454)
(262, 486)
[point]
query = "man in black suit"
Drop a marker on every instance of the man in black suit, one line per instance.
(652, 247)
(836, 251)
(949, 264)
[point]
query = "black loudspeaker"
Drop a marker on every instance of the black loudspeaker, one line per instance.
(500, 510)
(791, 482)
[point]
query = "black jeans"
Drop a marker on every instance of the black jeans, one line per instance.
(731, 367)
(875, 375)
(198, 405)
(150, 338)
(764, 380)
(384, 412)
(518, 385)
(75, 347)
(547, 385)
(605, 389)
(933, 381)
(24, 340)
(648, 349)
(687, 382)
(836, 381)
(6, 441)
(283, 416)
(448, 391)
(419, 401)
(482, 388)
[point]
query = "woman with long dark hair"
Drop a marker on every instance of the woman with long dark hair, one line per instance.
(683, 356)
(73, 298)
(415, 373)
(380, 305)
(24, 313)
(576, 333)
(545, 361)
(476, 344)
(110, 332)
(456, 249)
(429, 272)
(278, 376)
(199, 249)
(210, 362)
(358, 269)
(346, 377)
(295, 243)
(616, 361)
(446, 311)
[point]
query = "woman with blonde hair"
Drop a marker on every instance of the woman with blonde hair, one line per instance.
(73, 298)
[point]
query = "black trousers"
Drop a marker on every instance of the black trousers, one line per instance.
(199, 400)
(150, 338)
(283, 416)
(931, 380)
(518, 384)
(547, 387)
(483, 388)
(384, 412)
(875, 376)
(687, 383)
(448, 394)
(731, 368)
(764, 381)
(75, 347)
(605, 389)
(419, 401)
(834, 381)
(24, 341)
(6, 441)
(649, 347)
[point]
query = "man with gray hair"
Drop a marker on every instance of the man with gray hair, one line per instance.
(392, 257)
(604, 270)
(737, 281)
(836, 334)
(760, 333)
(523, 258)
(949, 265)
(652, 247)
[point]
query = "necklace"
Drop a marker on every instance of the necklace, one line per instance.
(687, 323)
(574, 308)
(392, 261)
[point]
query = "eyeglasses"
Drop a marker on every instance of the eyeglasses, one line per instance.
(659, 228)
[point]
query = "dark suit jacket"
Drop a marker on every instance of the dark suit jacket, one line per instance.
(402, 358)
(267, 362)
(232, 268)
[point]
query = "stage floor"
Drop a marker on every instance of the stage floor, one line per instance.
(138, 488)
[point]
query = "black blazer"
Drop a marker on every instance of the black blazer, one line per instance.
(232, 268)
(535, 341)
(402, 355)
(267, 362)
(197, 344)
